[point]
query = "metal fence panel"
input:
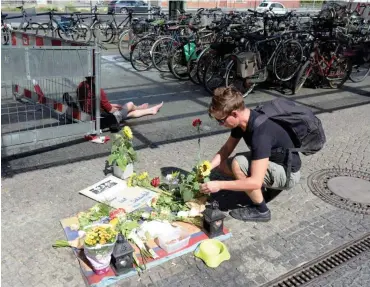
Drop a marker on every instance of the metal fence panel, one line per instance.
(32, 63)
(39, 103)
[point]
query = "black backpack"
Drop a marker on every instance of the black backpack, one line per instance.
(303, 127)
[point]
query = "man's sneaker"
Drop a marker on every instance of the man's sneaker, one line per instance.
(251, 214)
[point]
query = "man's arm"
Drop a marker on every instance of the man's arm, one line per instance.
(104, 103)
(225, 151)
(255, 181)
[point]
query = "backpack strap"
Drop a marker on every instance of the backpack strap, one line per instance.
(259, 120)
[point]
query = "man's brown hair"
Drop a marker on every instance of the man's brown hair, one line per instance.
(225, 100)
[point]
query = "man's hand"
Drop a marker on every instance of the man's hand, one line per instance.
(210, 187)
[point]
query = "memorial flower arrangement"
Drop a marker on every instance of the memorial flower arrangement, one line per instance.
(100, 235)
(122, 152)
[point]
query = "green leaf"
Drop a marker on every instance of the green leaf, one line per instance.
(121, 163)
(196, 186)
(206, 179)
(187, 195)
(190, 178)
(111, 159)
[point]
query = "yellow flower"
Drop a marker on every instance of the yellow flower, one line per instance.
(144, 175)
(205, 168)
(130, 179)
(127, 132)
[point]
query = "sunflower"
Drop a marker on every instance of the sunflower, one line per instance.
(205, 168)
(127, 132)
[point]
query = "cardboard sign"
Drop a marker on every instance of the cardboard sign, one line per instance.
(115, 192)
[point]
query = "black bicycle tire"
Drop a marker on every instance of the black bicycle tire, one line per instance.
(296, 84)
(344, 79)
(154, 64)
(60, 35)
(359, 81)
(276, 57)
(200, 61)
(6, 36)
(132, 53)
(110, 26)
(127, 58)
(205, 82)
(88, 29)
(45, 28)
(182, 76)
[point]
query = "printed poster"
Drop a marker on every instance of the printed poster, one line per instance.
(115, 192)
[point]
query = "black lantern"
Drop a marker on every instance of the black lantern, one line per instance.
(122, 258)
(213, 220)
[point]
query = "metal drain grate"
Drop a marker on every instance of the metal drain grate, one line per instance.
(305, 274)
(344, 188)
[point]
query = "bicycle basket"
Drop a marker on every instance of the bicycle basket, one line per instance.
(246, 64)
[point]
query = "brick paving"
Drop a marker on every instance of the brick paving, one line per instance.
(302, 226)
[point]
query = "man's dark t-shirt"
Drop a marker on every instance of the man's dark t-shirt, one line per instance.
(266, 138)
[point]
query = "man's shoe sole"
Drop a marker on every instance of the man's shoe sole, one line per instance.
(256, 220)
(253, 219)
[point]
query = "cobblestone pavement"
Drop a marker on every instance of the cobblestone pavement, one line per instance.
(302, 226)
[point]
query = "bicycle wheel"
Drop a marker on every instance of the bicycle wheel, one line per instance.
(30, 27)
(140, 56)
(204, 59)
(65, 33)
(178, 64)
(360, 72)
(5, 36)
(161, 51)
(125, 41)
(214, 74)
(106, 30)
(43, 29)
(193, 67)
(82, 33)
(339, 72)
(301, 77)
(288, 60)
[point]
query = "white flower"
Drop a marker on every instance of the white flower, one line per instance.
(183, 214)
(145, 215)
(95, 208)
(169, 177)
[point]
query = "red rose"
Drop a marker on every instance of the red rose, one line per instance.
(113, 214)
(197, 122)
(155, 182)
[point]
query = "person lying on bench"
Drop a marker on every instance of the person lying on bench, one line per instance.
(112, 114)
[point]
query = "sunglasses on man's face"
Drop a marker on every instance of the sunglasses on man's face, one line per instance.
(221, 121)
